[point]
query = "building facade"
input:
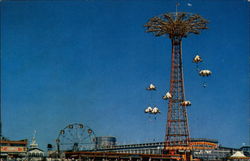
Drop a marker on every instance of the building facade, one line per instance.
(13, 149)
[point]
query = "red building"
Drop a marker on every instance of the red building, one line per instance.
(13, 149)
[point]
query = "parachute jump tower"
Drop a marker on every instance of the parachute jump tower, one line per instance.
(177, 25)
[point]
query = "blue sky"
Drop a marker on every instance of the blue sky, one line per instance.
(89, 61)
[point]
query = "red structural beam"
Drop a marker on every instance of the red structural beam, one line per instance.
(82, 154)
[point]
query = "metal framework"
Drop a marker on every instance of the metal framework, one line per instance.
(75, 137)
(176, 25)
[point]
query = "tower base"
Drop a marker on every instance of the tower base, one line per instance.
(179, 153)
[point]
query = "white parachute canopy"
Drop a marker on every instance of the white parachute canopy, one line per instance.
(151, 87)
(238, 154)
(205, 73)
(148, 110)
(197, 59)
(186, 103)
(167, 96)
(151, 110)
(155, 110)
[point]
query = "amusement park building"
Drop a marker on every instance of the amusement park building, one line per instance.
(209, 149)
(34, 152)
(13, 149)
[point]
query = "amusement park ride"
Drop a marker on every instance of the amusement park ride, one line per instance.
(177, 25)
(75, 137)
(177, 144)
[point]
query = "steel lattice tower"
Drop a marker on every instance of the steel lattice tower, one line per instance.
(177, 26)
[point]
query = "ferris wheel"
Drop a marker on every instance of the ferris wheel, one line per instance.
(75, 137)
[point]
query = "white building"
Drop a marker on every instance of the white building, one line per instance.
(34, 153)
